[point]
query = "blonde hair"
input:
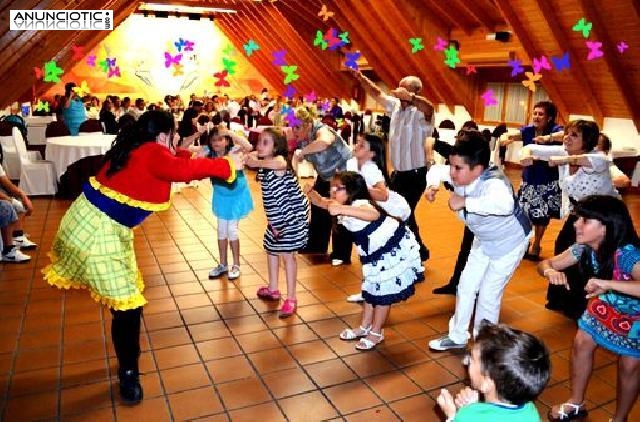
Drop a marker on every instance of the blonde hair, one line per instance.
(413, 81)
(305, 115)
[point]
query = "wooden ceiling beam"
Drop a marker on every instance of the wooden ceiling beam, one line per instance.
(449, 14)
(615, 67)
(576, 65)
(514, 21)
(476, 13)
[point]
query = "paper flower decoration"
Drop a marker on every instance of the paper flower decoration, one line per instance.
(324, 13)
(440, 44)
(332, 39)
(416, 44)
(221, 76)
(489, 98)
(594, 50)
(451, 56)
(38, 72)
(470, 69)
(344, 37)
(290, 74)
(291, 118)
(319, 40)
(169, 59)
(177, 70)
(111, 62)
(228, 50)
(52, 72)
(541, 63)
(114, 72)
(622, 46)
(42, 106)
(229, 65)
(561, 63)
(531, 80)
(290, 92)
(91, 60)
(82, 89)
(104, 65)
(182, 43)
(77, 52)
(583, 26)
(250, 47)
(278, 57)
(311, 97)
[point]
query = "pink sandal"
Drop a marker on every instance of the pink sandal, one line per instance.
(265, 293)
(288, 308)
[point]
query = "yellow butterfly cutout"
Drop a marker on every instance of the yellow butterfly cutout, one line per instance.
(177, 70)
(82, 89)
(531, 81)
(325, 13)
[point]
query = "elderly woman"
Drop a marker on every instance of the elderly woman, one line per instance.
(323, 147)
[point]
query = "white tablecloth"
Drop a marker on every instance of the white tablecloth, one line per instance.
(66, 150)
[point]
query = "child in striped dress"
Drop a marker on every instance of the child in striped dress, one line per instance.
(287, 212)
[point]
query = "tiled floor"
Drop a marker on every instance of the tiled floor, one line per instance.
(212, 350)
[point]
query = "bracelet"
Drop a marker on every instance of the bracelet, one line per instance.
(545, 272)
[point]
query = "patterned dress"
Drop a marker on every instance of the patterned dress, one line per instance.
(613, 319)
(287, 210)
(539, 194)
(390, 257)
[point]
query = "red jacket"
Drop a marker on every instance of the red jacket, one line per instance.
(145, 181)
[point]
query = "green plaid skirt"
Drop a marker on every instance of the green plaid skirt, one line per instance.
(92, 251)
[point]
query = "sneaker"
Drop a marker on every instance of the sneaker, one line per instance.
(234, 272)
(217, 271)
(14, 255)
(23, 242)
(445, 343)
(337, 262)
(357, 298)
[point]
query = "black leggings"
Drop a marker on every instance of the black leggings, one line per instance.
(125, 332)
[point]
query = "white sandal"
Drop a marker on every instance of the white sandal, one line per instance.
(351, 334)
(366, 344)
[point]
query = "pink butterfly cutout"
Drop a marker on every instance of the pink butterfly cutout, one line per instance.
(541, 63)
(470, 69)
(594, 50)
(168, 59)
(440, 44)
(91, 61)
(489, 98)
(188, 45)
(311, 97)
(622, 46)
(114, 71)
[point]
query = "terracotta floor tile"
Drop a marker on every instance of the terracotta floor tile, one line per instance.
(184, 378)
(295, 334)
(330, 372)
(157, 292)
(229, 369)
(85, 397)
(265, 412)
(208, 331)
(242, 393)
(403, 354)
(222, 295)
(328, 328)
(6, 361)
(246, 324)
(169, 337)
(272, 360)
(162, 321)
(159, 306)
(300, 407)
(255, 342)
(199, 315)
(368, 364)
(341, 347)
(80, 333)
(429, 375)
(393, 386)
(218, 348)
(84, 372)
(194, 403)
(315, 312)
(288, 382)
(32, 359)
(82, 352)
(421, 407)
(38, 381)
(105, 414)
(311, 352)
(32, 407)
(235, 309)
(155, 409)
(352, 396)
(379, 413)
(176, 356)
(182, 289)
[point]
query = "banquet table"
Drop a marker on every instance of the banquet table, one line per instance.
(66, 150)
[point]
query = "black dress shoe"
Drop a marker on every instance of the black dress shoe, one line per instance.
(424, 254)
(447, 289)
(130, 388)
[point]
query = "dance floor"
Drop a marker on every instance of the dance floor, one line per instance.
(213, 351)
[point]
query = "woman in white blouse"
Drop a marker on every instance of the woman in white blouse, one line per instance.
(583, 171)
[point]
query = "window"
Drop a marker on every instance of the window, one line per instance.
(514, 103)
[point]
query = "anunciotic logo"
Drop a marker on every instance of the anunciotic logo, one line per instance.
(61, 20)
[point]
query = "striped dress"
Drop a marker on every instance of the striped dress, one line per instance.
(287, 210)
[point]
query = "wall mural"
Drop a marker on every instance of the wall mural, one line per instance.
(152, 57)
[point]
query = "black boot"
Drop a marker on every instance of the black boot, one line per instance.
(130, 388)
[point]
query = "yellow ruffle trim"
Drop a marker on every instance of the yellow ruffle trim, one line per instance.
(232, 168)
(124, 199)
(52, 277)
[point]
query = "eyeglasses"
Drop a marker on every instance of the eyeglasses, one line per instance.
(338, 188)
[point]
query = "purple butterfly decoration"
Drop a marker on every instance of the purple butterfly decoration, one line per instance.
(516, 67)
(311, 97)
(541, 63)
(188, 45)
(168, 59)
(114, 71)
(622, 46)
(561, 63)
(278, 57)
(91, 60)
(290, 92)
(291, 118)
(489, 98)
(331, 37)
(594, 50)
(111, 62)
(352, 60)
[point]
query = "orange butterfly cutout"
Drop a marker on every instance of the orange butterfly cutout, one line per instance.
(177, 70)
(531, 82)
(325, 13)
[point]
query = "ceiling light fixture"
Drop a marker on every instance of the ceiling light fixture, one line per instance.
(156, 7)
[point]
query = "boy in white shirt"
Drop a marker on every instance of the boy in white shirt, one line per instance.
(15, 206)
(483, 198)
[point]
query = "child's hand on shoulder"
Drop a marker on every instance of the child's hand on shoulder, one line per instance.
(466, 396)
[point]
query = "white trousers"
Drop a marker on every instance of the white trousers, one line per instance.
(485, 277)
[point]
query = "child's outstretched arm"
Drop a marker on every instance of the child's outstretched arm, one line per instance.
(239, 140)
(315, 198)
(366, 213)
(275, 163)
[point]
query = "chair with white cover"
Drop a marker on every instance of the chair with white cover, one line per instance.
(37, 176)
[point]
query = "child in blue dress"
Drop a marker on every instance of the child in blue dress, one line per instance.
(230, 202)
(388, 250)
